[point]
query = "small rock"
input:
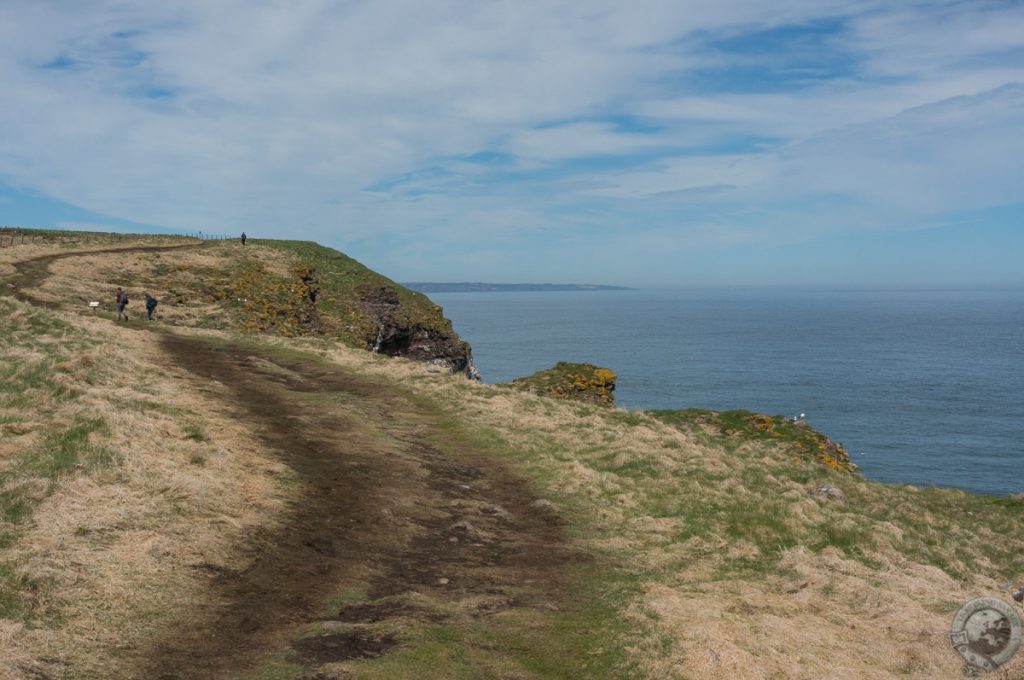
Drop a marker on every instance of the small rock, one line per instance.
(542, 503)
(442, 581)
(713, 656)
(468, 530)
(495, 510)
(830, 492)
(453, 539)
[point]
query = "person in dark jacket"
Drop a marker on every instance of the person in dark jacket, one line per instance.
(150, 306)
(243, 238)
(122, 302)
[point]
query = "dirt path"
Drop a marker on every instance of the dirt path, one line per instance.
(392, 505)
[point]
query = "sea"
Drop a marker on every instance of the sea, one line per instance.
(922, 387)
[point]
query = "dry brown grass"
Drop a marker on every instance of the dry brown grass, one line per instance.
(110, 552)
(181, 280)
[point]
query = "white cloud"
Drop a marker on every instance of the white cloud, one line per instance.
(289, 118)
(578, 140)
(696, 176)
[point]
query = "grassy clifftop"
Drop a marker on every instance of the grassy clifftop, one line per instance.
(740, 425)
(346, 285)
(282, 288)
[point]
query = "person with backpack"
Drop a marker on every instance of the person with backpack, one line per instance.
(122, 303)
(150, 306)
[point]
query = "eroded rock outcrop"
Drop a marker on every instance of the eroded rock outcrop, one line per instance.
(398, 336)
(578, 382)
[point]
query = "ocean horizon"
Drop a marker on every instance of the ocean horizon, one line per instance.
(922, 385)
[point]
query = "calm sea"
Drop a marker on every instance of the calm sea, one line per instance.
(922, 387)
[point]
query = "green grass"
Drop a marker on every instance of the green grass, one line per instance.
(960, 533)
(344, 282)
(32, 343)
(196, 432)
(581, 640)
(738, 426)
(59, 453)
(31, 477)
(277, 668)
(35, 347)
(68, 449)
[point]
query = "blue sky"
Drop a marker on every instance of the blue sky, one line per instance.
(654, 142)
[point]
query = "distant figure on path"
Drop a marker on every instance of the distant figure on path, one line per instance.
(150, 306)
(243, 238)
(122, 302)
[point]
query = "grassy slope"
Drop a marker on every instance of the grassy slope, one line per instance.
(110, 487)
(258, 288)
(343, 281)
(40, 354)
(716, 556)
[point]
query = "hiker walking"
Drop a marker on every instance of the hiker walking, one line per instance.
(150, 306)
(243, 238)
(122, 302)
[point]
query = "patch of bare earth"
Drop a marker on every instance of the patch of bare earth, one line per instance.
(380, 509)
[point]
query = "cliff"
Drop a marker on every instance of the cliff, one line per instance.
(371, 311)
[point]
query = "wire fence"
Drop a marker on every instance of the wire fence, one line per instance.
(16, 236)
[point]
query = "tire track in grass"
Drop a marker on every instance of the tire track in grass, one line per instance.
(427, 526)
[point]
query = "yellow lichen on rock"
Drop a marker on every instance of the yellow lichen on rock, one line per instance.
(578, 382)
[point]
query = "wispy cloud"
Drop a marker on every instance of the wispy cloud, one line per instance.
(529, 125)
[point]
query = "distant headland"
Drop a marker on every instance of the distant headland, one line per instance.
(423, 287)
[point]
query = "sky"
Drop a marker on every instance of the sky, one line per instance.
(643, 143)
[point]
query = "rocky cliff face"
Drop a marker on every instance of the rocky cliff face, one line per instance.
(398, 336)
(303, 288)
